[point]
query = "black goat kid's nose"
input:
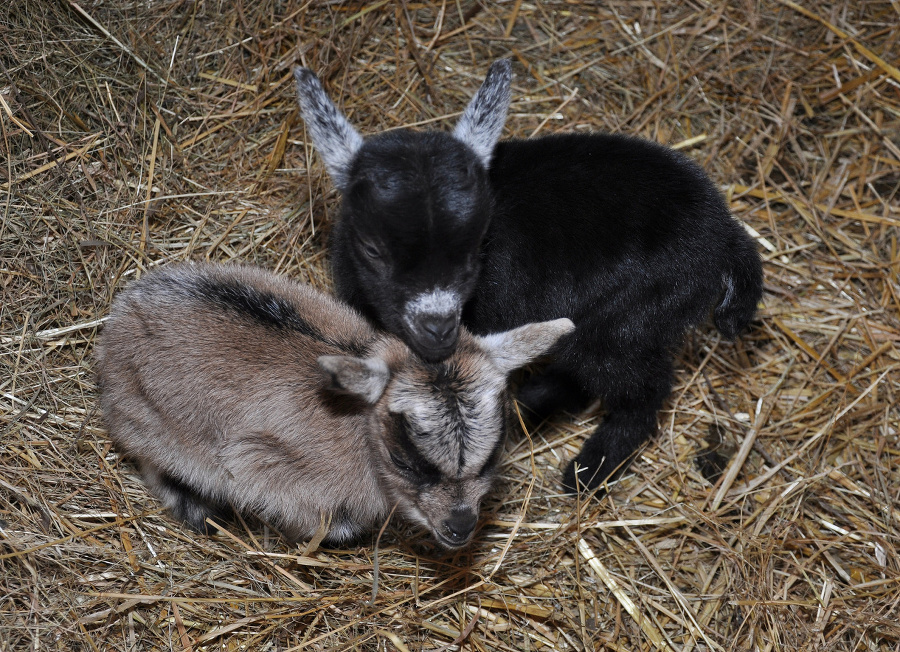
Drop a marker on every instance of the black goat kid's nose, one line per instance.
(441, 328)
(460, 524)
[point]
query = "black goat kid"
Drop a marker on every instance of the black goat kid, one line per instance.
(627, 238)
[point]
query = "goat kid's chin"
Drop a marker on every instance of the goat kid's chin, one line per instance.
(451, 544)
(432, 337)
(451, 539)
(453, 533)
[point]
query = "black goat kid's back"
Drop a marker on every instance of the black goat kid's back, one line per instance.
(629, 239)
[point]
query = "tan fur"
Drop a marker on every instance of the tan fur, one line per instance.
(222, 401)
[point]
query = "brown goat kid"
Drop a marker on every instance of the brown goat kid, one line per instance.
(234, 388)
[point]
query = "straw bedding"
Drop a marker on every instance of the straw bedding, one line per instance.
(763, 517)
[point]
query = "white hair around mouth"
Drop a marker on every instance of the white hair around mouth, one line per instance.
(438, 302)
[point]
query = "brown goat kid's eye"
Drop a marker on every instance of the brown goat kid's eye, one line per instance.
(400, 464)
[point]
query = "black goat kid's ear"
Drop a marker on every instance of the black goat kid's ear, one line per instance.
(482, 122)
(333, 136)
(519, 346)
(362, 377)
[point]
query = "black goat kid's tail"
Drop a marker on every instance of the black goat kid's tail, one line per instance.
(743, 285)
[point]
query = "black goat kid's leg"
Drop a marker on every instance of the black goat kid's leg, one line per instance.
(549, 391)
(608, 449)
(631, 415)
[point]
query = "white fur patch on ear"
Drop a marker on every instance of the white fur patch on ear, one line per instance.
(334, 137)
(519, 346)
(482, 122)
(363, 377)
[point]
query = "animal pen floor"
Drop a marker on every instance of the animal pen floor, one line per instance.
(139, 133)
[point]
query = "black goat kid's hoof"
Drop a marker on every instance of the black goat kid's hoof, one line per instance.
(588, 479)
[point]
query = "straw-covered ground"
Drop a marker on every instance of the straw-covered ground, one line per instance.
(763, 517)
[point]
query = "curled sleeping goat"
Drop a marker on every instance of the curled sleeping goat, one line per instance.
(627, 238)
(234, 388)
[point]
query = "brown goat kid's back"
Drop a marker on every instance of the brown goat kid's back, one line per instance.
(232, 387)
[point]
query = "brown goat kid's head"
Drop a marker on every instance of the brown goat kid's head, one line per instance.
(438, 428)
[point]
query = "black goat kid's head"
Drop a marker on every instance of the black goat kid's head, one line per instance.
(416, 206)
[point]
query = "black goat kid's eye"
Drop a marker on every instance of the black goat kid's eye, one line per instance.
(371, 251)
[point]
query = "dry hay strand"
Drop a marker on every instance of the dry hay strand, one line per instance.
(764, 515)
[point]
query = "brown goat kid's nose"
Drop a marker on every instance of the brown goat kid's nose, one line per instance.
(460, 525)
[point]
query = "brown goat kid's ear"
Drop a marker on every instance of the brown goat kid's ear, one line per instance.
(519, 346)
(362, 377)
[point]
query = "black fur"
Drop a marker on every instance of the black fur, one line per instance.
(406, 456)
(266, 309)
(627, 238)
(630, 240)
(190, 507)
(431, 196)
